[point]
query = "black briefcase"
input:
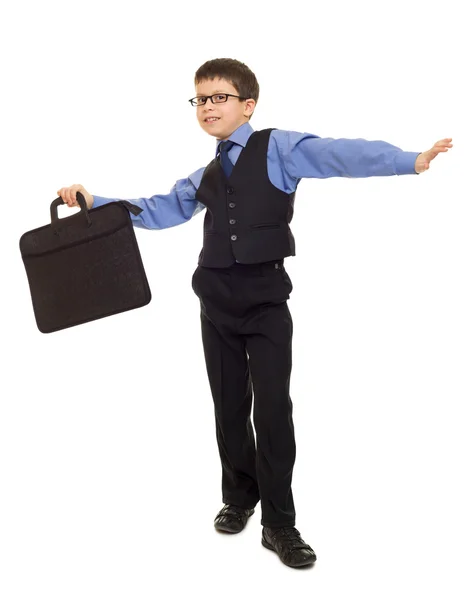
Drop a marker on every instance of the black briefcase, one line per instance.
(84, 267)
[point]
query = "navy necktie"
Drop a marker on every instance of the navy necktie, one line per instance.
(224, 160)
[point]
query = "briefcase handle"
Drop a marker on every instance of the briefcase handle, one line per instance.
(83, 206)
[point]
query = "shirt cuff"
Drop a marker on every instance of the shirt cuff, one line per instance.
(100, 201)
(404, 163)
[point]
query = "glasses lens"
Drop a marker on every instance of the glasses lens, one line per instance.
(218, 98)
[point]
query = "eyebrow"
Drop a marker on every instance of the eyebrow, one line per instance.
(215, 92)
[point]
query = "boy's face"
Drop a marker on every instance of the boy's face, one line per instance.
(231, 114)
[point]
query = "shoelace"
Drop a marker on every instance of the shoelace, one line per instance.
(232, 511)
(290, 536)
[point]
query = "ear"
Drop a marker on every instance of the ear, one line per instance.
(249, 107)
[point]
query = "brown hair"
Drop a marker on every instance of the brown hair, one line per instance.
(235, 72)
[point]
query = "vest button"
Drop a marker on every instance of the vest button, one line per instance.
(232, 204)
(234, 238)
(230, 190)
(232, 221)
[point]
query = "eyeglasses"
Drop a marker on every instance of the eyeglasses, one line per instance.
(215, 99)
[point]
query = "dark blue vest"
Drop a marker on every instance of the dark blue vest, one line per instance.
(247, 217)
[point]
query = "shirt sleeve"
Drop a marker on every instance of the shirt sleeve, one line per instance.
(308, 155)
(165, 210)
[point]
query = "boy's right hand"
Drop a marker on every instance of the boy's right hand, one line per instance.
(68, 194)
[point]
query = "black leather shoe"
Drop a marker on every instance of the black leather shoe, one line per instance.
(232, 519)
(289, 545)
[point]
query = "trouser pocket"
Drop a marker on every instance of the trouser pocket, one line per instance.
(193, 281)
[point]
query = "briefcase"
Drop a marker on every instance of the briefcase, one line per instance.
(84, 267)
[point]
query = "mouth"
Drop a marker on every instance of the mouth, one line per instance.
(211, 119)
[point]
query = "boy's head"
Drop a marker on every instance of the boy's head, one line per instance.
(225, 76)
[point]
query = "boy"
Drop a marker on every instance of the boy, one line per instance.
(248, 190)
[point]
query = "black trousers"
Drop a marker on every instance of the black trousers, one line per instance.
(247, 339)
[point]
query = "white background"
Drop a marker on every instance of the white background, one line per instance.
(109, 469)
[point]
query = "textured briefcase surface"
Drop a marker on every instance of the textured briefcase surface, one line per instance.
(85, 266)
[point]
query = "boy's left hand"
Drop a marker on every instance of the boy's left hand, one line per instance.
(423, 160)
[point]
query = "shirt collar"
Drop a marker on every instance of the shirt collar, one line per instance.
(239, 136)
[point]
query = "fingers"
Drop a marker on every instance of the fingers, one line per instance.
(68, 194)
(440, 146)
(444, 144)
(62, 194)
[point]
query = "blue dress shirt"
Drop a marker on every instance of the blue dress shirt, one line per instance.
(291, 156)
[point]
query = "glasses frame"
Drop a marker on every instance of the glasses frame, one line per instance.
(211, 99)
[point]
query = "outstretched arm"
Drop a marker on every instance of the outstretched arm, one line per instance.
(308, 155)
(165, 210)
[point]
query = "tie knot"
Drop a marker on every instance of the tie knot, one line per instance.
(225, 146)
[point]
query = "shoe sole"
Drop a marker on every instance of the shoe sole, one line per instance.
(269, 547)
(224, 530)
